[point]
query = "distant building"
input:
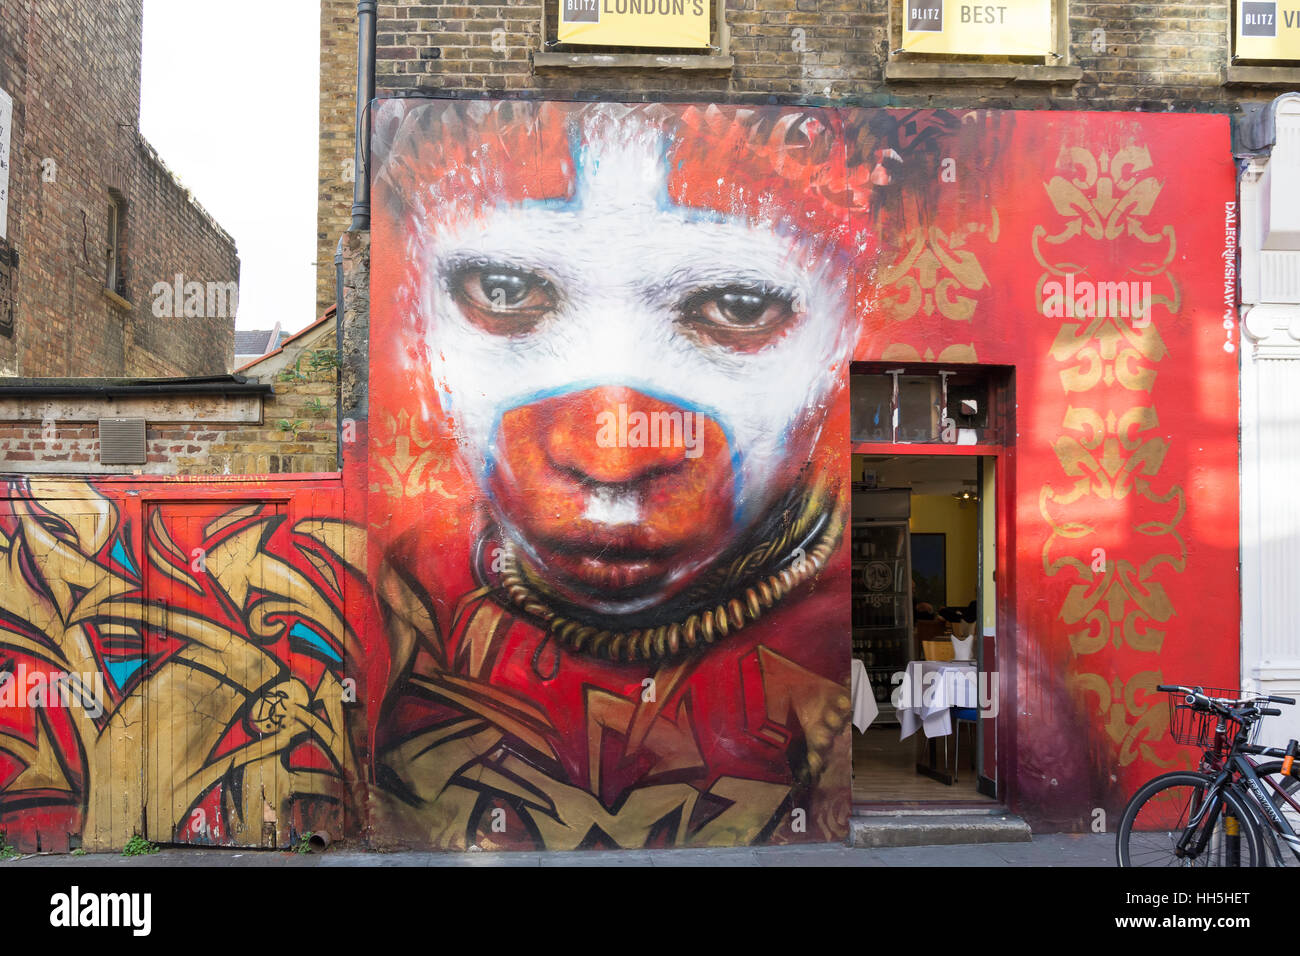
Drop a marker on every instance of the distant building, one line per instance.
(108, 266)
(252, 344)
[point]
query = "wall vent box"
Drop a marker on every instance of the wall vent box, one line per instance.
(121, 441)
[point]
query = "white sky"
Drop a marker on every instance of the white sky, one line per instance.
(230, 97)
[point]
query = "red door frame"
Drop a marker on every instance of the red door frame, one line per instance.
(1003, 382)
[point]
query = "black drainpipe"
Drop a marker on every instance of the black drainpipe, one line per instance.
(366, 12)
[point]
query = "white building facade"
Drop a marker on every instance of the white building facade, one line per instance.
(1270, 410)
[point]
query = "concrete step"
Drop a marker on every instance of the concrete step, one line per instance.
(939, 827)
(985, 809)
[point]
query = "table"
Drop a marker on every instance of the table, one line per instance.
(929, 691)
(865, 709)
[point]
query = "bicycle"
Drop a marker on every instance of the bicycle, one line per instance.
(1219, 814)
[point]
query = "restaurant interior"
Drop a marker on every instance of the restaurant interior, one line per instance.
(923, 556)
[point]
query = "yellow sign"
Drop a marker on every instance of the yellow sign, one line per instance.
(1002, 27)
(1268, 30)
(671, 23)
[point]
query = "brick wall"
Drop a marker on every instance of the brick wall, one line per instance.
(74, 70)
(354, 376)
(189, 448)
(1165, 56)
(169, 235)
(293, 430)
(299, 422)
(338, 99)
(1169, 58)
(13, 76)
(73, 448)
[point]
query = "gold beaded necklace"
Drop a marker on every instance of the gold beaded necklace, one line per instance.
(705, 626)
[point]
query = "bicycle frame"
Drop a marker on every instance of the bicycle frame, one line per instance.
(1227, 762)
(1216, 815)
(1205, 819)
(1203, 822)
(1258, 802)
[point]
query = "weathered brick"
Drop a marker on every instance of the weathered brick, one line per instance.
(1153, 56)
(74, 73)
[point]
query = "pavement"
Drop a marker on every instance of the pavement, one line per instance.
(1057, 850)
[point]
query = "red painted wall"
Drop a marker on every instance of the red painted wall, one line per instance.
(1125, 458)
(518, 621)
(942, 231)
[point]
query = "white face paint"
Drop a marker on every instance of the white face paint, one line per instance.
(608, 506)
(620, 264)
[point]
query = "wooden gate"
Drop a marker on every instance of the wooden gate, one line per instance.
(71, 759)
(172, 660)
(213, 683)
(245, 743)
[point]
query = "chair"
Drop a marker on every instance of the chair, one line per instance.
(960, 715)
(926, 632)
(937, 650)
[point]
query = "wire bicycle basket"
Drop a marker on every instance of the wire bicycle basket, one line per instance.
(1192, 727)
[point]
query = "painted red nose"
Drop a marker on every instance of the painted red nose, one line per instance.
(615, 490)
(617, 436)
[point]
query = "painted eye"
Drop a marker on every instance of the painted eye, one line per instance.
(740, 317)
(506, 290)
(742, 309)
(502, 299)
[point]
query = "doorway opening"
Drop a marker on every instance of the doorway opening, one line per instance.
(927, 446)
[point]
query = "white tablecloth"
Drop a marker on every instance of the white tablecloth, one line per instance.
(930, 689)
(865, 709)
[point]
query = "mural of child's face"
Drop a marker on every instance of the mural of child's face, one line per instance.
(634, 384)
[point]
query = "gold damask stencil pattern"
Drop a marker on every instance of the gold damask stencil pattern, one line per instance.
(1110, 449)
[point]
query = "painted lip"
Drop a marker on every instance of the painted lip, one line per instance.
(608, 562)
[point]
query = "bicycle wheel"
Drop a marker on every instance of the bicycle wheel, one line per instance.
(1159, 813)
(1279, 851)
(1292, 787)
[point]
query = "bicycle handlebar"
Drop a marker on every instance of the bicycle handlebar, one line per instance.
(1197, 696)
